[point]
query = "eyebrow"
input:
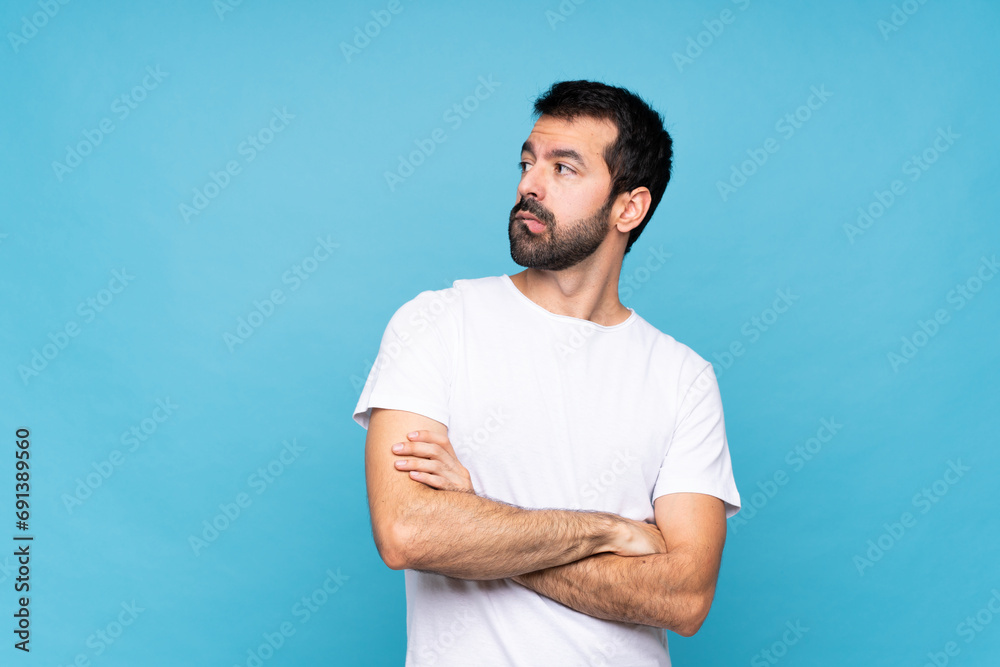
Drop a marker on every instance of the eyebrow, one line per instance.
(557, 153)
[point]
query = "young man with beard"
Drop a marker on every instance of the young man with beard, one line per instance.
(585, 507)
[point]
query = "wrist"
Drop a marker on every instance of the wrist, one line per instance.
(612, 536)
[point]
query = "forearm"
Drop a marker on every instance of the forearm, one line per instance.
(662, 590)
(471, 537)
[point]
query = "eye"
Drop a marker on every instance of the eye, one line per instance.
(523, 166)
(564, 168)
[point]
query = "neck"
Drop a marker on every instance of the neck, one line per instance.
(587, 291)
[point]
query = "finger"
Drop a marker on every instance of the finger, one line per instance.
(423, 465)
(425, 450)
(434, 481)
(432, 467)
(428, 451)
(431, 480)
(429, 436)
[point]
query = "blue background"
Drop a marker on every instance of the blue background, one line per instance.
(792, 559)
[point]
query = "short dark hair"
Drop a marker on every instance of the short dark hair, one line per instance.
(642, 153)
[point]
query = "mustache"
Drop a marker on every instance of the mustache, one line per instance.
(532, 207)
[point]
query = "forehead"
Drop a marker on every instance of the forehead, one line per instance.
(588, 136)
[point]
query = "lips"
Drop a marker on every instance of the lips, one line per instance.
(533, 224)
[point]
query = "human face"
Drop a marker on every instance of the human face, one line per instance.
(563, 178)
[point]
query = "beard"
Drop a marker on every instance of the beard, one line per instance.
(555, 249)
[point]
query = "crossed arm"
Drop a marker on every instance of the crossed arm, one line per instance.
(426, 516)
(671, 590)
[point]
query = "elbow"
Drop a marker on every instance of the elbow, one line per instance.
(393, 558)
(395, 546)
(688, 629)
(695, 611)
(401, 535)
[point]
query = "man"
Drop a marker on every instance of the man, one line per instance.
(587, 509)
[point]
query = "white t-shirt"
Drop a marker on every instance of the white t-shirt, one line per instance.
(546, 411)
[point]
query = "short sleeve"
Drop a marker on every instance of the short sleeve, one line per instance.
(413, 368)
(697, 458)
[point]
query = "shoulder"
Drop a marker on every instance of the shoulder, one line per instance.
(442, 309)
(671, 357)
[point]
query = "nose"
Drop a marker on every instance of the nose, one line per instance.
(531, 184)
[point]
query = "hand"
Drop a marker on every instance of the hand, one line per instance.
(432, 461)
(638, 538)
(631, 538)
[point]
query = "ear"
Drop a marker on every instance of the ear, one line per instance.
(634, 206)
